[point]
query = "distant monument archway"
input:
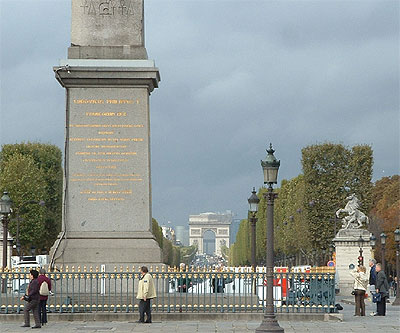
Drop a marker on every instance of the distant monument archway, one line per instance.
(209, 238)
(218, 223)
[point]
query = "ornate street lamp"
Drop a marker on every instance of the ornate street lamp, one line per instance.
(383, 243)
(270, 168)
(253, 209)
(5, 210)
(372, 240)
(397, 240)
(360, 245)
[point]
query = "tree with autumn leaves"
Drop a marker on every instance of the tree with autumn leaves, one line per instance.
(385, 216)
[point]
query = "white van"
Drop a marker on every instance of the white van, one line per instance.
(20, 284)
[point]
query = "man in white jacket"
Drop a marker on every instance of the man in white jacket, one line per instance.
(146, 291)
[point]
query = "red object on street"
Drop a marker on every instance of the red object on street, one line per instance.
(280, 282)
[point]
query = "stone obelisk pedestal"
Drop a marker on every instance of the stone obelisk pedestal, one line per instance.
(347, 253)
(107, 216)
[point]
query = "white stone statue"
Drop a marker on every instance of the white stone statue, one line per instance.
(355, 218)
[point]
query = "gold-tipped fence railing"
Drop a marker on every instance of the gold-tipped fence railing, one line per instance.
(87, 289)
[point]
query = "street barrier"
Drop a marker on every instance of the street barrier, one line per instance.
(87, 289)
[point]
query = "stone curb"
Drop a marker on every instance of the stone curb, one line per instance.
(101, 316)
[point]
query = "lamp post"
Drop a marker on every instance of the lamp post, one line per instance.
(372, 240)
(270, 168)
(397, 240)
(253, 209)
(383, 243)
(5, 210)
(360, 245)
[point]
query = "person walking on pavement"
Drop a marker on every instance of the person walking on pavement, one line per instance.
(32, 299)
(382, 287)
(44, 289)
(146, 291)
(360, 286)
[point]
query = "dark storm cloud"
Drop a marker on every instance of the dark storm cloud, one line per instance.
(235, 76)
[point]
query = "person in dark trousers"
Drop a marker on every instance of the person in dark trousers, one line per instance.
(382, 287)
(360, 286)
(146, 291)
(218, 284)
(184, 283)
(32, 299)
(372, 278)
(43, 298)
(372, 274)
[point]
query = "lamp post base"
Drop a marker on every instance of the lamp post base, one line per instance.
(269, 324)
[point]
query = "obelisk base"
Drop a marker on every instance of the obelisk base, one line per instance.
(97, 249)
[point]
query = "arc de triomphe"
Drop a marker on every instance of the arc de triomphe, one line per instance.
(218, 223)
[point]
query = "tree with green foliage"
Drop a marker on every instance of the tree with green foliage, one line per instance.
(33, 171)
(157, 232)
(241, 254)
(171, 254)
(290, 222)
(187, 253)
(306, 204)
(331, 173)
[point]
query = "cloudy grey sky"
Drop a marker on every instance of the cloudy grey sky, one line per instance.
(235, 76)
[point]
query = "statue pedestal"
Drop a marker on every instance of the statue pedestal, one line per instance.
(347, 252)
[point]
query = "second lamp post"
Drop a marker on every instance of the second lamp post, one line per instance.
(397, 284)
(253, 208)
(383, 244)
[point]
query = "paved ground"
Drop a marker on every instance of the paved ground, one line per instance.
(390, 323)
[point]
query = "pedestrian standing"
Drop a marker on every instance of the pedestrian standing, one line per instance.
(184, 283)
(146, 292)
(32, 299)
(360, 286)
(44, 290)
(372, 275)
(372, 278)
(382, 287)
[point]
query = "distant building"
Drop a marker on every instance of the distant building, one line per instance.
(182, 235)
(218, 223)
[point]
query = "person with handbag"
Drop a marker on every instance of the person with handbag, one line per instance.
(44, 290)
(360, 286)
(32, 299)
(382, 287)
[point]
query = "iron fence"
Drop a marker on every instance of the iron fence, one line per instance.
(194, 290)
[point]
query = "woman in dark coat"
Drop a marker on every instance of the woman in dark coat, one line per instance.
(43, 298)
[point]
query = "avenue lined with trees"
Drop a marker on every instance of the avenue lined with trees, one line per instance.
(304, 212)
